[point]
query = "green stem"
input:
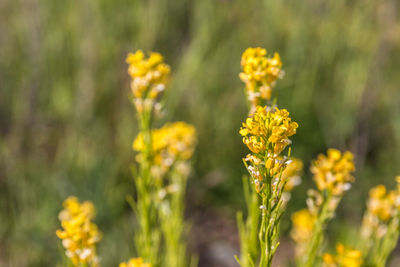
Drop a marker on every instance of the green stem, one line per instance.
(147, 239)
(318, 237)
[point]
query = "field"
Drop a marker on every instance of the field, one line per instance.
(67, 124)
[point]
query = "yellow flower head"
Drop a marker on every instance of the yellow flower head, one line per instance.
(345, 257)
(302, 230)
(333, 172)
(173, 142)
(135, 262)
(303, 225)
(79, 235)
(268, 130)
(381, 203)
(149, 77)
(259, 73)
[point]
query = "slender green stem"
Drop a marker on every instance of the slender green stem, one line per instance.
(147, 239)
(318, 237)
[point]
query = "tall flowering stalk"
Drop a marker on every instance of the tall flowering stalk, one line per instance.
(149, 79)
(172, 147)
(163, 156)
(266, 133)
(380, 226)
(79, 234)
(333, 176)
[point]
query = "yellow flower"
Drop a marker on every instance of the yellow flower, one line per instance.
(135, 262)
(149, 77)
(79, 235)
(302, 230)
(268, 130)
(171, 143)
(266, 133)
(303, 225)
(381, 203)
(333, 172)
(259, 74)
(346, 257)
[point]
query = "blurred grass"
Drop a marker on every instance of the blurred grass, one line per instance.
(66, 124)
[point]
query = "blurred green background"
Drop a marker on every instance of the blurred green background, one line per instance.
(66, 124)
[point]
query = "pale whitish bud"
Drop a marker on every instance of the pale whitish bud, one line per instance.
(295, 180)
(172, 188)
(168, 161)
(156, 171)
(158, 111)
(85, 254)
(183, 168)
(333, 203)
(69, 253)
(139, 104)
(67, 243)
(160, 87)
(253, 95)
(346, 186)
(63, 215)
(150, 75)
(262, 207)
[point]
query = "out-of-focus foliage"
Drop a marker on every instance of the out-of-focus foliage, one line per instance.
(66, 124)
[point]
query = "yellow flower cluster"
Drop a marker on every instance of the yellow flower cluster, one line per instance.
(135, 262)
(149, 77)
(346, 257)
(268, 130)
(79, 235)
(303, 225)
(382, 206)
(333, 172)
(382, 203)
(171, 143)
(266, 133)
(259, 74)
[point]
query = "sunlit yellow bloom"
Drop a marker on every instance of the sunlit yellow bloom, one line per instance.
(302, 230)
(268, 130)
(259, 73)
(382, 206)
(345, 257)
(79, 235)
(334, 171)
(135, 262)
(149, 78)
(266, 133)
(173, 142)
(381, 203)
